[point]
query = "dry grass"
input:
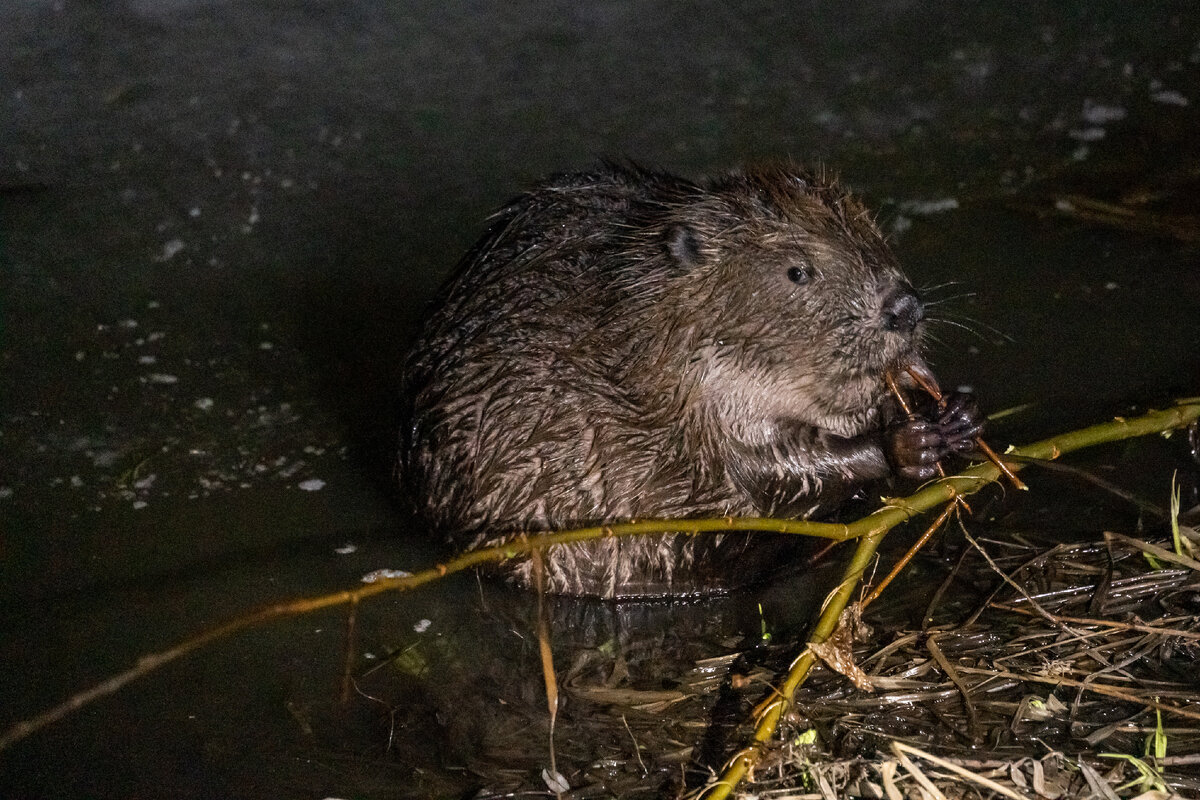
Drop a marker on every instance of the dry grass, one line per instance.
(1054, 672)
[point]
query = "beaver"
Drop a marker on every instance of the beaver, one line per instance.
(623, 343)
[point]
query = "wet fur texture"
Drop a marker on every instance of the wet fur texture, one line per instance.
(624, 343)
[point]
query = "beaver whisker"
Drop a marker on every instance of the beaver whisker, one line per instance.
(927, 289)
(971, 325)
(948, 299)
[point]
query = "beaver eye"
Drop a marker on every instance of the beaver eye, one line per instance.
(799, 275)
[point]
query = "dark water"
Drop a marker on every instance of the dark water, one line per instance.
(220, 223)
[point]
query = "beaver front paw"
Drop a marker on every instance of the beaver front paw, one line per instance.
(916, 444)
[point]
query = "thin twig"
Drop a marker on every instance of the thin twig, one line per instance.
(936, 600)
(1097, 688)
(918, 774)
(1108, 486)
(547, 655)
(1160, 553)
(637, 750)
(1043, 613)
(901, 747)
(908, 556)
(1106, 623)
(968, 705)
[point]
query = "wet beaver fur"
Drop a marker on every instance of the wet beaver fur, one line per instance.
(627, 344)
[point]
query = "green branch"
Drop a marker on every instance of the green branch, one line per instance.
(872, 528)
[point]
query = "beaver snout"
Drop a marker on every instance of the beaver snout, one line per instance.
(902, 310)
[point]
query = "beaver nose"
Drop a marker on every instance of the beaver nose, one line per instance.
(902, 310)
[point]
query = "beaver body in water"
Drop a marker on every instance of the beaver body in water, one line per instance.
(626, 344)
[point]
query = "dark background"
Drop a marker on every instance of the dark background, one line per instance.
(220, 222)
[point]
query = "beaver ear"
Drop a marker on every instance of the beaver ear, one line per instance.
(684, 245)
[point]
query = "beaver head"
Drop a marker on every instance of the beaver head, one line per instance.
(782, 301)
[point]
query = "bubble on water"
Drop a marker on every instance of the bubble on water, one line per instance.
(312, 485)
(346, 549)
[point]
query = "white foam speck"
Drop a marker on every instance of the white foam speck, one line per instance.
(924, 207)
(104, 458)
(1099, 114)
(170, 250)
(312, 485)
(1092, 134)
(1169, 97)
(385, 574)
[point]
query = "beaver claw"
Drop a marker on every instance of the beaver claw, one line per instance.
(918, 443)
